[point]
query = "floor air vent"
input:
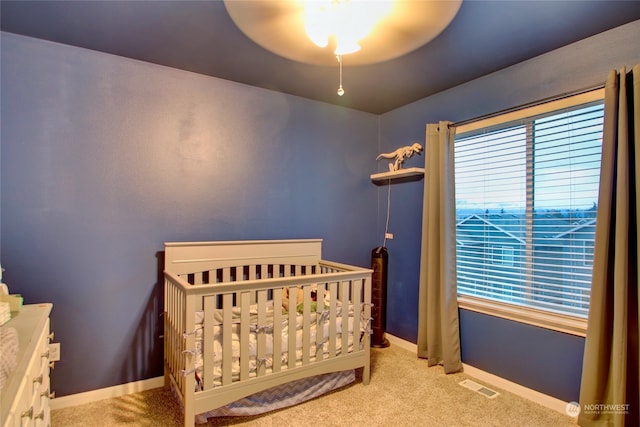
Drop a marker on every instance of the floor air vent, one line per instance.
(479, 388)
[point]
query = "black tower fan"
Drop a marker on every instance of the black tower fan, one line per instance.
(379, 261)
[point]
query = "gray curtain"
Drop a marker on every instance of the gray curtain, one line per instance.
(438, 325)
(610, 372)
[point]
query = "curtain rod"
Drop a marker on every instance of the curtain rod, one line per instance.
(531, 104)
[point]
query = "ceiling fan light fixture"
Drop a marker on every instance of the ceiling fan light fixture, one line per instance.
(345, 21)
(368, 31)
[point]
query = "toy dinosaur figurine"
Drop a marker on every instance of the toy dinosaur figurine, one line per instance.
(401, 154)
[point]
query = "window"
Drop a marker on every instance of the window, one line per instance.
(507, 255)
(587, 247)
(526, 202)
(501, 255)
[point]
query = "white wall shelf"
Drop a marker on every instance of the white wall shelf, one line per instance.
(408, 174)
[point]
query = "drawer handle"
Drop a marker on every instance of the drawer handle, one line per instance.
(48, 395)
(27, 414)
(52, 364)
(50, 336)
(38, 379)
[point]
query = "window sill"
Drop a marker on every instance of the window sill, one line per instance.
(557, 322)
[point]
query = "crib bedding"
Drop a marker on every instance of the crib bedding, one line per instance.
(318, 319)
(282, 396)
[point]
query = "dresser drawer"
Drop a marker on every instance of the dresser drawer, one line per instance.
(19, 413)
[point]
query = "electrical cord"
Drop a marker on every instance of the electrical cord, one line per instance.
(386, 227)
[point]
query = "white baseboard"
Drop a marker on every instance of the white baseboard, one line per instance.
(413, 348)
(494, 380)
(105, 393)
(515, 388)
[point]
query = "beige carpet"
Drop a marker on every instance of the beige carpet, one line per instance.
(403, 392)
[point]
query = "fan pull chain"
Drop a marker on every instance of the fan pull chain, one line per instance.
(340, 89)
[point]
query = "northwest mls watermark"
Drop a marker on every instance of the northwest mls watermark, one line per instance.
(573, 409)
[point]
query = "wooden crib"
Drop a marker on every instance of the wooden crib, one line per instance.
(236, 312)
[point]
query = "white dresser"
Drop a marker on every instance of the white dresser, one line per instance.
(24, 399)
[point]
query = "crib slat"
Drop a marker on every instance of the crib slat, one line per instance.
(252, 276)
(170, 328)
(188, 320)
(207, 343)
(170, 319)
(169, 334)
(261, 339)
(306, 323)
(345, 317)
(277, 329)
(292, 331)
(227, 349)
(320, 322)
(179, 359)
(245, 323)
(333, 292)
(357, 312)
(178, 329)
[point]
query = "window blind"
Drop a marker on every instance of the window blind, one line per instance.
(526, 205)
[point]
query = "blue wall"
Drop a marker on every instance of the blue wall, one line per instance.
(105, 158)
(539, 358)
(543, 360)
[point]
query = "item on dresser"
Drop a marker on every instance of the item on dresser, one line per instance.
(15, 301)
(8, 353)
(230, 331)
(5, 313)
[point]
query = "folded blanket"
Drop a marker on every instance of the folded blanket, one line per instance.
(8, 353)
